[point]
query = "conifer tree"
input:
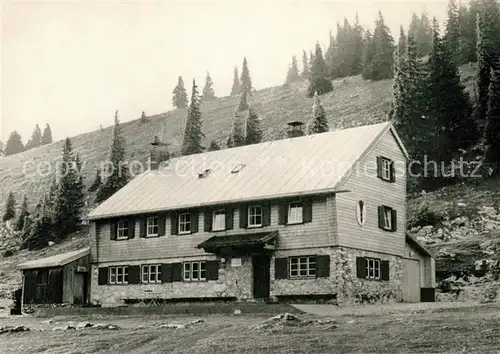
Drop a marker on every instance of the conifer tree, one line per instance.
(492, 127)
(24, 214)
(213, 146)
(243, 104)
(331, 57)
(47, 135)
(10, 208)
(97, 181)
(318, 81)
(193, 133)
(293, 73)
(319, 122)
(421, 30)
(119, 174)
(246, 81)
(236, 89)
(368, 55)
(237, 137)
(2, 148)
(14, 144)
(253, 128)
(36, 139)
(208, 90)
(401, 50)
(39, 228)
(383, 51)
(180, 99)
(356, 45)
(143, 117)
(305, 67)
(452, 32)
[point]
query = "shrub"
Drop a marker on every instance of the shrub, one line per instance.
(8, 253)
(425, 217)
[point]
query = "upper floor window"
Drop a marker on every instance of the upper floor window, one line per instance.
(122, 229)
(302, 267)
(219, 220)
(361, 212)
(118, 275)
(254, 216)
(151, 273)
(152, 226)
(295, 213)
(184, 223)
(195, 271)
(385, 169)
(387, 218)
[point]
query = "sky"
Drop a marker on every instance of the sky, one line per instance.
(72, 64)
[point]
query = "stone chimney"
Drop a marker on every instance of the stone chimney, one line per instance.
(158, 153)
(295, 129)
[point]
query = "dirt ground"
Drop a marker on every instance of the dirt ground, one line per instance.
(415, 329)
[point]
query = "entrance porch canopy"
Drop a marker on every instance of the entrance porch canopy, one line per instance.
(240, 243)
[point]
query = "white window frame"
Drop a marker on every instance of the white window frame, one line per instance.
(195, 271)
(117, 275)
(295, 212)
(253, 214)
(184, 226)
(152, 226)
(151, 273)
(122, 229)
(219, 224)
(302, 267)
(386, 169)
(388, 218)
(373, 269)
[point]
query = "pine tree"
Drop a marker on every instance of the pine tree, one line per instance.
(39, 228)
(193, 134)
(23, 214)
(246, 81)
(331, 57)
(356, 40)
(14, 144)
(69, 199)
(236, 89)
(318, 81)
(452, 31)
(208, 90)
(492, 127)
(180, 99)
(293, 73)
(368, 55)
(10, 208)
(213, 146)
(119, 171)
(36, 139)
(305, 67)
(2, 148)
(401, 50)
(143, 117)
(253, 128)
(47, 135)
(237, 137)
(383, 51)
(420, 29)
(97, 181)
(319, 122)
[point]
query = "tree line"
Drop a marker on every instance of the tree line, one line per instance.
(14, 144)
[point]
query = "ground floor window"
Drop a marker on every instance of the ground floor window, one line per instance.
(302, 267)
(372, 268)
(151, 273)
(118, 275)
(195, 271)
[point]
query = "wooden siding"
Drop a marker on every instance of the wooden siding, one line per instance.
(318, 233)
(43, 286)
(73, 281)
(364, 184)
(427, 267)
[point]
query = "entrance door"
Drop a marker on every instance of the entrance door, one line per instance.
(261, 274)
(79, 289)
(411, 283)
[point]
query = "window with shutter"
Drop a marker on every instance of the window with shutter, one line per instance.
(385, 169)
(254, 216)
(151, 273)
(195, 271)
(302, 266)
(295, 213)
(152, 226)
(387, 218)
(122, 230)
(184, 223)
(219, 220)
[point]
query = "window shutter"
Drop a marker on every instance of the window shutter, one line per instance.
(379, 166)
(394, 218)
(194, 221)
(134, 274)
(266, 214)
(212, 270)
(323, 266)
(131, 228)
(361, 267)
(174, 222)
(162, 220)
(177, 271)
(207, 221)
(282, 213)
(307, 210)
(281, 268)
(381, 217)
(393, 172)
(166, 273)
(142, 226)
(102, 278)
(114, 229)
(243, 216)
(384, 270)
(229, 218)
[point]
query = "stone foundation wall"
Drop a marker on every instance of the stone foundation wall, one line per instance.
(233, 281)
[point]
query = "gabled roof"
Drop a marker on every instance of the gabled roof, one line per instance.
(310, 164)
(55, 261)
(417, 245)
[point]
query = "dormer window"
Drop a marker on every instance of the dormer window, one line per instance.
(385, 169)
(255, 216)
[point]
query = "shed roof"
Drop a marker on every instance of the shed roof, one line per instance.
(55, 261)
(417, 245)
(303, 165)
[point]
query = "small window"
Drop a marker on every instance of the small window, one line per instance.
(385, 169)
(151, 273)
(118, 275)
(195, 271)
(372, 268)
(254, 216)
(361, 212)
(295, 213)
(152, 226)
(219, 220)
(122, 230)
(237, 168)
(302, 267)
(185, 223)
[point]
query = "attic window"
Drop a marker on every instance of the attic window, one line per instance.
(204, 173)
(237, 168)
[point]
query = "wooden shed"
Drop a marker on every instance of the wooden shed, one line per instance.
(63, 278)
